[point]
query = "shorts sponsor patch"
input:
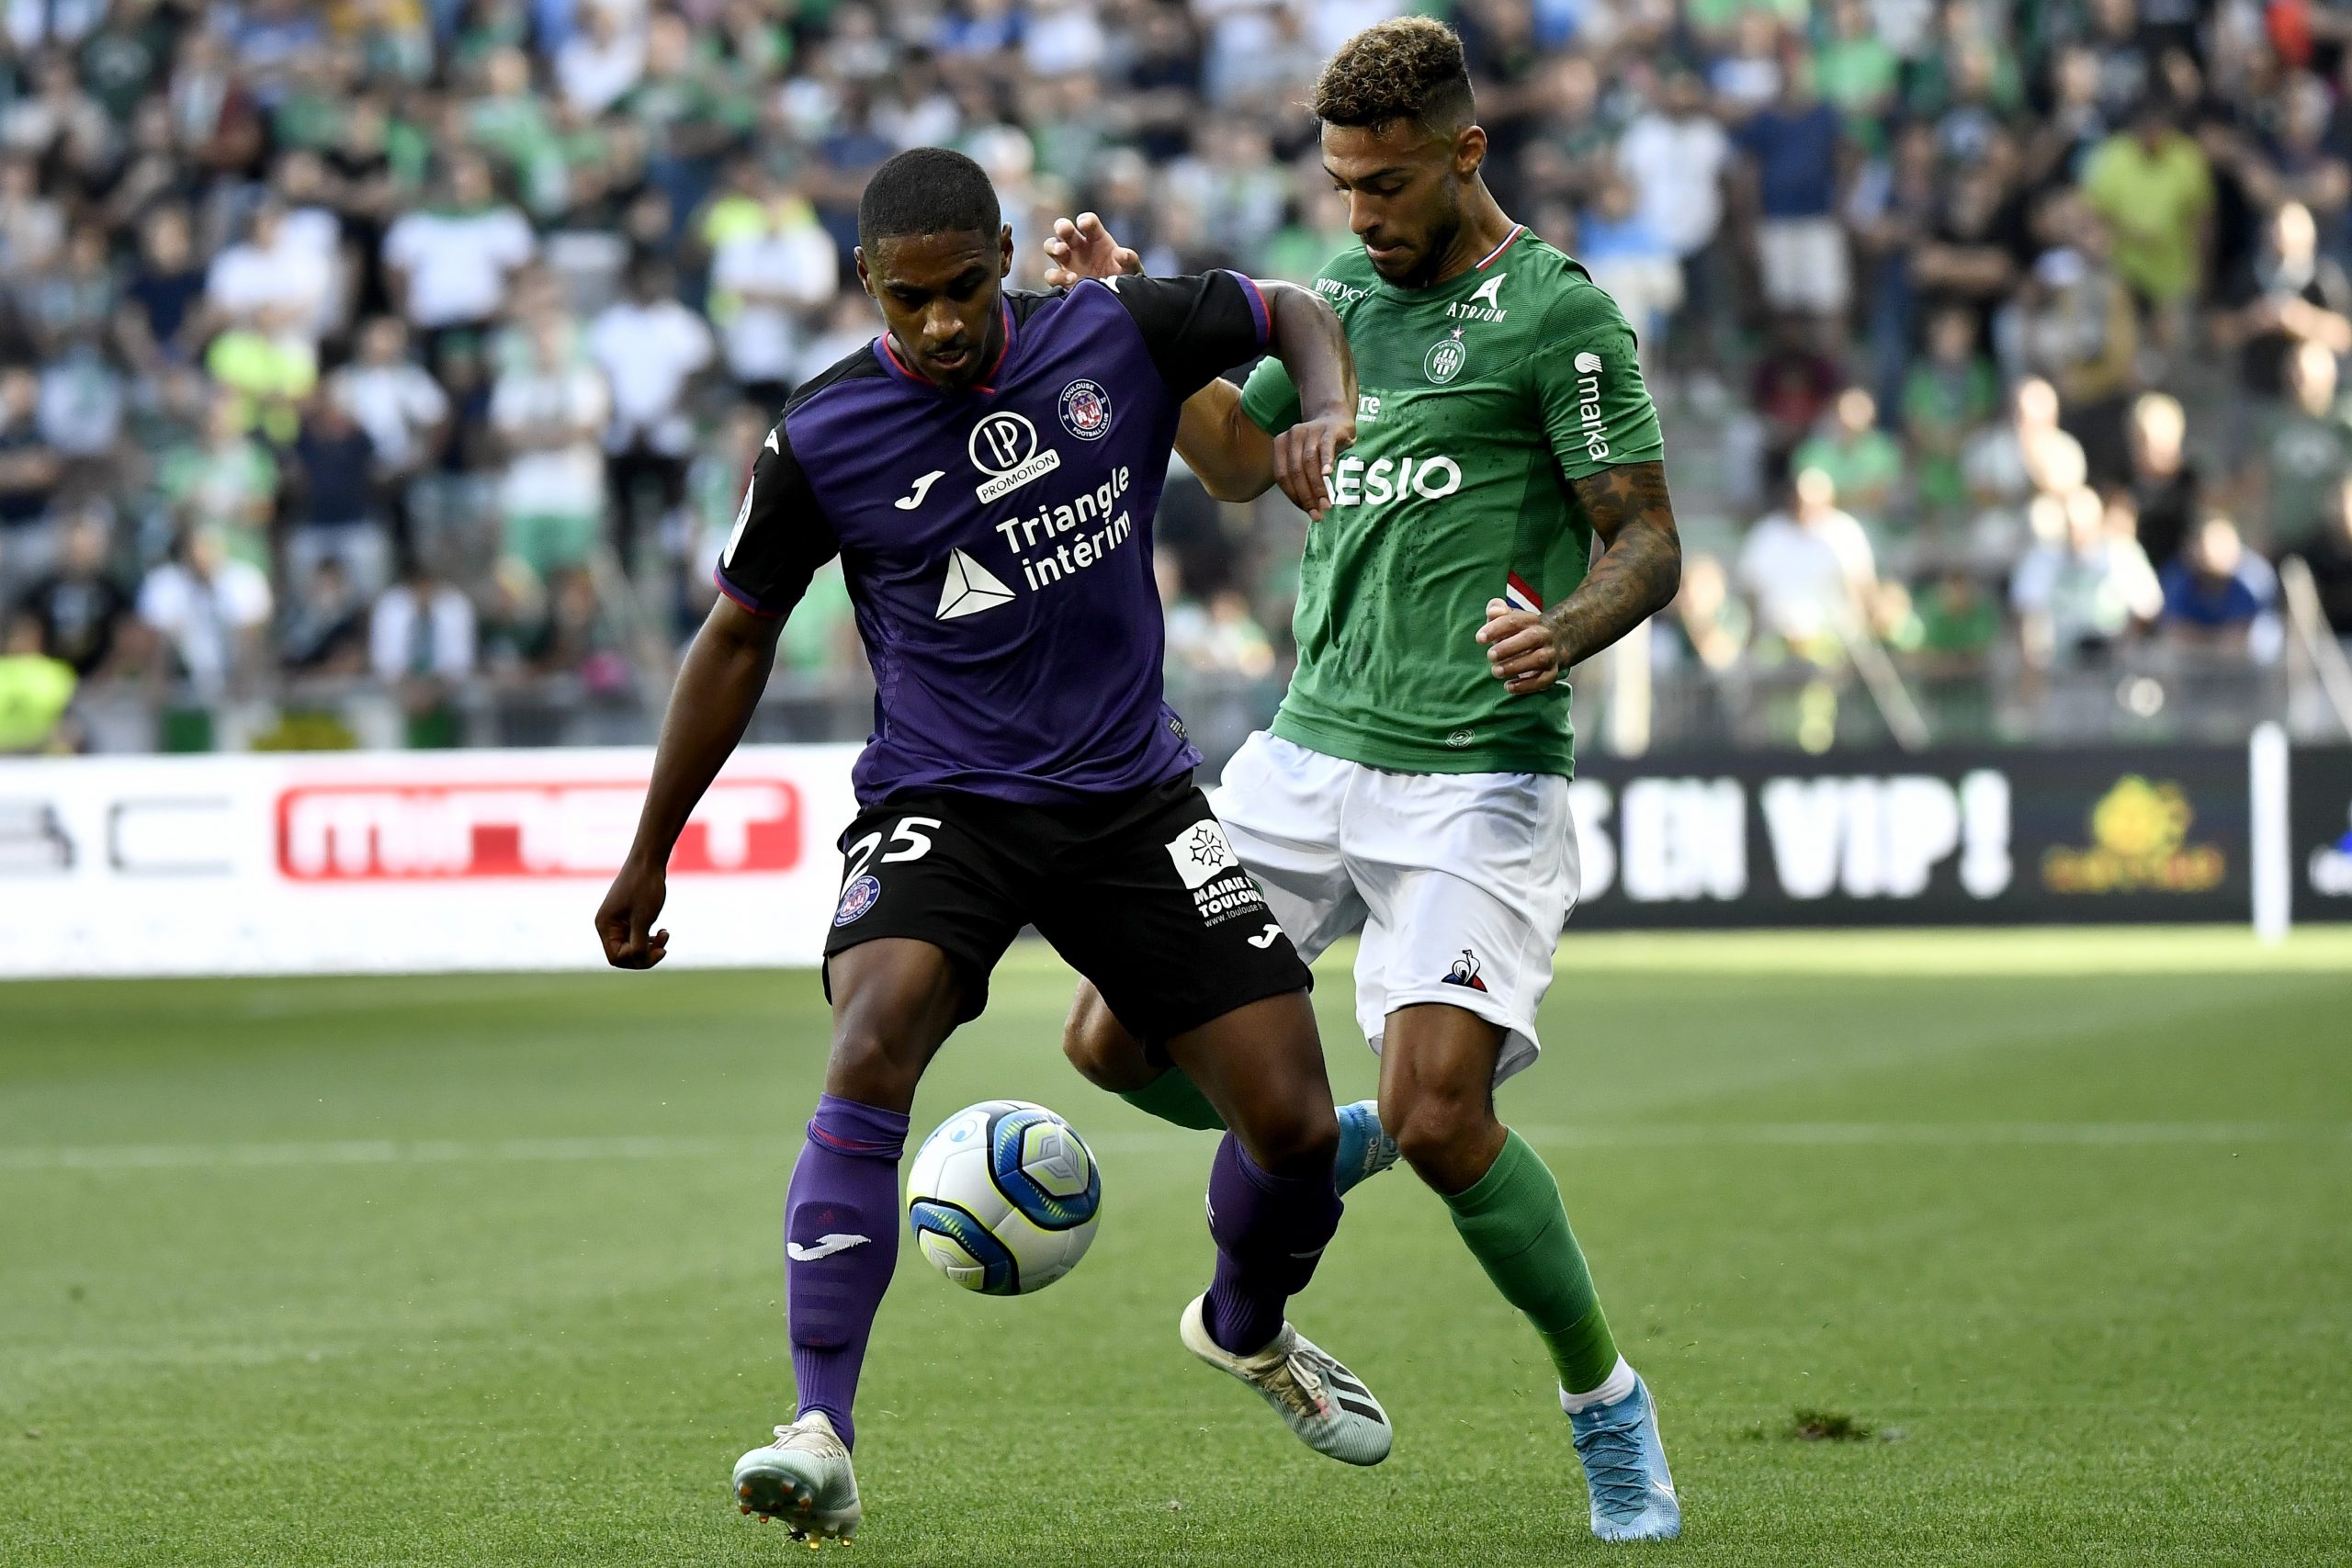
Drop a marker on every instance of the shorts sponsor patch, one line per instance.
(1200, 852)
(860, 895)
(1212, 873)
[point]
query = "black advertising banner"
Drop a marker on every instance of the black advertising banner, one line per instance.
(1944, 838)
(2319, 794)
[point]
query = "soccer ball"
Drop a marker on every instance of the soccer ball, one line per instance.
(1002, 1198)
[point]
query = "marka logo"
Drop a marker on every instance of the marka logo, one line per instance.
(1589, 418)
(824, 1247)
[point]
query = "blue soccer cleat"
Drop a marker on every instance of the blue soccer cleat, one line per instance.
(1364, 1149)
(1624, 1468)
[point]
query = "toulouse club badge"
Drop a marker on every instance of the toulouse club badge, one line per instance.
(1086, 409)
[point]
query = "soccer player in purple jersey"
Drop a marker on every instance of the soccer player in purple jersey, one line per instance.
(987, 471)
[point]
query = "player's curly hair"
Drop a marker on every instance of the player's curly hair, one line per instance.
(1406, 68)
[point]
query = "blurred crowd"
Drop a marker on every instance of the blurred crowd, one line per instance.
(424, 343)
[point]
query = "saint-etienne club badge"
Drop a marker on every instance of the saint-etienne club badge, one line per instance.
(1445, 358)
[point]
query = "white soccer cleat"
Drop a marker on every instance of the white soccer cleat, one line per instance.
(1323, 1401)
(803, 1478)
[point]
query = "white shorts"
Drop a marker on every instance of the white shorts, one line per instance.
(1459, 882)
(1803, 264)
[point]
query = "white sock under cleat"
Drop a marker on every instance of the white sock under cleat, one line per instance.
(1323, 1401)
(803, 1478)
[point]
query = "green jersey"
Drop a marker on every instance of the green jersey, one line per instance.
(1482, 397)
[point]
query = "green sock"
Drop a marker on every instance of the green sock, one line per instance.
(1172, 1096)
(1512, 1222)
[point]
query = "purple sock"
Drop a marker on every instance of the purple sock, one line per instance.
(1270, 1232)
(841, 1235)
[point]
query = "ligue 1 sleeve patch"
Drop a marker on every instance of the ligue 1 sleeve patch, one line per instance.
(1086, 409)
(860, 895)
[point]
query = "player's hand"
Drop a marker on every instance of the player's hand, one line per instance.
(1304, 457)
(1084, 249)
(625, 920)
(1520, 651)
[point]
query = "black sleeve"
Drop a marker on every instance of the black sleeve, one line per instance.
(780, 537)
(1197, 327)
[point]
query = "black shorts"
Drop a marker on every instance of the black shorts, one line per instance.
(1139, 892)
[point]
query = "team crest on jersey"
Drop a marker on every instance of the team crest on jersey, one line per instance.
(1086, 409)
(1445, 358)
(858, 897)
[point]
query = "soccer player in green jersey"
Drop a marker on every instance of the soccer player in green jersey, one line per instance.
(1415, 783)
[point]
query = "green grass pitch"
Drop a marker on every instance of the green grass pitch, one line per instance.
(486, 1270)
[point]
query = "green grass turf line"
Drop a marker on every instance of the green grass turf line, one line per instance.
(484, 1271)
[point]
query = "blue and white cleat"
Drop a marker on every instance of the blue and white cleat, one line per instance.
(1366, 1149)
(803, 1478)
(1624, 1468)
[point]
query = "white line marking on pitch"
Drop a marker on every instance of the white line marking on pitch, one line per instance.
(1672, 1134)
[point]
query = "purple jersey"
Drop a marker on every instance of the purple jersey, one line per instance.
(997, 541)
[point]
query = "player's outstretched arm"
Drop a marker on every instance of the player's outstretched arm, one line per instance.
(719, 685)
(1635, 578)
(1228, 453)
(1313, 346)
(1232, 457)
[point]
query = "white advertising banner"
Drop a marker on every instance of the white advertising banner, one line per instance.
(401, 861)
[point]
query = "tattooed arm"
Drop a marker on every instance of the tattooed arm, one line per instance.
(1635, 578)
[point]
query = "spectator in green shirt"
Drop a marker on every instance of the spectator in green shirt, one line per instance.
(2156, 190)
(1946, 396)
(1857, 72)
(1862, 461)
(2305, 453)
(225, 479)
(35, 691)
(1957, 623)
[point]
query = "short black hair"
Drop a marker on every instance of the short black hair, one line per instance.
(927, 190)
(1407, 68)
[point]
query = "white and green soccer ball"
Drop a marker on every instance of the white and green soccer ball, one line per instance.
(1002, 1198)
